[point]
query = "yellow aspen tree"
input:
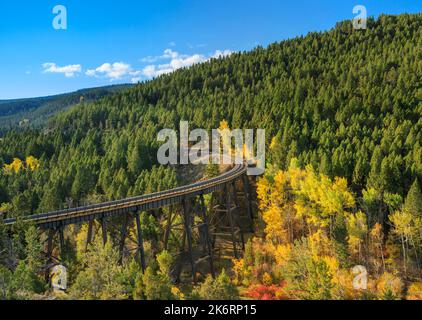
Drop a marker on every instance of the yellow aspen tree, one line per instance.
(264, 193)
(275, 230)
(414, 292)
(224, 131)
(32, 163)
(405, 228)
(15, 166)
(282, 254)
(357, 230)
(376, 248)
(389, 287)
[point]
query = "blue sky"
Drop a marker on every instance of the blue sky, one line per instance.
(111, 42)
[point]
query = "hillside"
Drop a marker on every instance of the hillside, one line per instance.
(36, 111)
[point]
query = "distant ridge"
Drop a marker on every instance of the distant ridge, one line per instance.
(15, 113)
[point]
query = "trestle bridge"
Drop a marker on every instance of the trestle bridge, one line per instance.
(199, 227)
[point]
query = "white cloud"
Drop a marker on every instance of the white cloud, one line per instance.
(222, 54)
(113, 71)
(170, 61)
(168, 54)
(149, 59)
(91, 73)
(152, 71)
(135, 73)
(69, 71)
(177, 61)
(136, 76)
(183, 61)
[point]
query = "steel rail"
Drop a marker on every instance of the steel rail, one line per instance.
(144, 202)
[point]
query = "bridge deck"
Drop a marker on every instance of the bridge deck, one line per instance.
(140, 203)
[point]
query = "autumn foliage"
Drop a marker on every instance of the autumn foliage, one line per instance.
(31, 163)
(316, 230)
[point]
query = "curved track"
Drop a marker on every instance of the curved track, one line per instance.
(141, 203)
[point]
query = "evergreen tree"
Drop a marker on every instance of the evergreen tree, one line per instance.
(413, 202)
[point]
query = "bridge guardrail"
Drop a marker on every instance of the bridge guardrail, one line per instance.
(71, 213)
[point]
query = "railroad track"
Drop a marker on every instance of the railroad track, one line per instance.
(147, 202)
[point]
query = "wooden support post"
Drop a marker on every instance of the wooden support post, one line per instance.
(141, 251)
(248, 201)
(123, 234)
(229, 213)
(89, 234)
(50, 240)
(207, 234)
(168, 229)
(242, 237)
(188, 232)
(104, 229)
(62, 244)
(184, 239)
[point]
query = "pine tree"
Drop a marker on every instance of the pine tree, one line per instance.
(413, 202)
(102, 276)
(220, 288)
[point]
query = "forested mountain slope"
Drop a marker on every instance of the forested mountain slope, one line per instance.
(348, 102)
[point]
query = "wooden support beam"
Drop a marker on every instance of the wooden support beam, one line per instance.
(168, 228)
(230, 215)
(62, 244)
(123, 236)
(89, 234)
(248, 202)
(104, 229)
(141, 250)
(242, 237)
(183, 246)
(207, 234)
(50, 239)
(188, 232)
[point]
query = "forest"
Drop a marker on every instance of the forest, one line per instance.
(342, 112)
